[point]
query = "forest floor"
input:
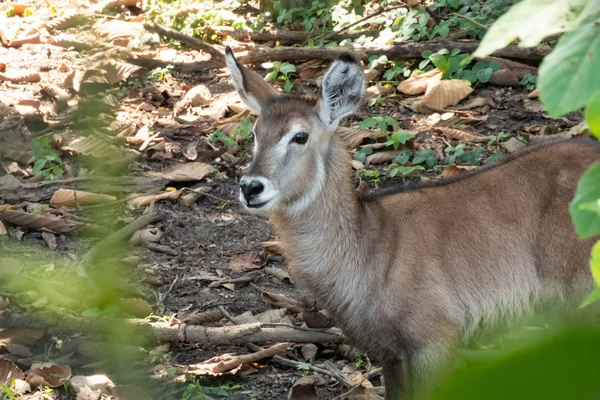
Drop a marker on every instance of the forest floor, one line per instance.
(68, 90)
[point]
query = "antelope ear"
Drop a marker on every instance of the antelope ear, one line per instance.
(253, 90)
(343, 88)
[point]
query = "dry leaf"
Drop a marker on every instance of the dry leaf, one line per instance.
(504, 77)
(92, 145)
(247, 261)
(371, 74)
(474, 103)
(18, 350)
(20, 76)
(196, 96)
(419, 83)
(200, 318)
(317, 319)
(116, 71)
(50, 240)
(441, 94)
(34, 221)
(9, 371)
(192, 171)
(457, 134)
(69, 197)
(538, 139)
(279, 273)
(517, 68)
(281, 301)
(309, 352)
(26, 337)
(275, 247)
(66, 22)
(2, 229)
(534, 94)
(452, 171)
(53, 376)
(353, 137)
(148, 235)
(136, 307)
(10, 265)
(160, 350)
(113, 30)
(381, 157)
(141, 201)
(304, 389)
(512, 145)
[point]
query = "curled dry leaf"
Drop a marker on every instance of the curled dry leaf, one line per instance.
(309, 352)
(378, 90)
(113, 30)
(534, 94)
(504, 77)
(20, 76)
(304, 389)
(148, 235)
(512, 145)
(26, 337)
(200, 318)
(279, 273)
(457, 134)
(281, 301)
(317, 319)
(34, 221)
(91, 145)
(141, 201)
(50, 240)
(452, 171)
(381, 157)
(196, 96)
(517, 68)
(247, 261)
(419, 83)
(474, 103)
(69, 197)
(10, 266)
(9, 371)
(192, 171)
(136, 307)
(441, 94)
(116, 71)
(53, 376)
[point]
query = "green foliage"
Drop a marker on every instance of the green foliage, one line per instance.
(220, 136)
(568, 76)
(45, 160)
(395, 169)
(457, 65)
(195, 391)
(281, 71)
(398, 138)
(160, 74)
(370, 174)
(551, 367)
(529, 81)
(396, 68)
(7, 392)
(382, 122)
(424, 156)
(592, 115)
(362, 154)
(585, 207)
(304, 368)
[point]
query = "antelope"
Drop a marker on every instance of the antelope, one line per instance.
(411, 273)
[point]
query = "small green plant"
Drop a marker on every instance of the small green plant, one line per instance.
(396, 68)
(470, 157)
(243, 131)
(362, 154)
(457, 65)
(395, 169)
(220, 136)
(7, 392)
(45, 160)
(529, 81)
(160, 74)
(359, 361)
(382, 122)
(497, 138)
(424, 156)
(282, 73)
(370, 174)
(304, 368)
(194, 392)
(398, 138)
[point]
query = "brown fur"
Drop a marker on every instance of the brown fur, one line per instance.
(408, 275)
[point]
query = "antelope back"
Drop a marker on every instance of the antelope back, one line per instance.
(292, 135)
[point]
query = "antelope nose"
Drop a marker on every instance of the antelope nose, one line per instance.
(251, 189)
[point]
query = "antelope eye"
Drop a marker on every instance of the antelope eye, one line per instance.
(300, 138)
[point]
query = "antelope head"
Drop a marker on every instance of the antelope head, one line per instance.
(292, 135)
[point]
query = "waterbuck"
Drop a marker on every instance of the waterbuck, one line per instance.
(409, 274)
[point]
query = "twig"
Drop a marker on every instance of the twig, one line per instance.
(250, 358)
(227, 315)
(163, 296)
(161, 248)
(363, 19)
(471, 20)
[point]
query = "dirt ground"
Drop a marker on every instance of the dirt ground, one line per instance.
(204, 237)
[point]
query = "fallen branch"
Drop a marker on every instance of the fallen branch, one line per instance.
(398, 51)
(471, 20)
(280, 35)
(151, 63)
(216, 53)
(250, 358)
(202, 335)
